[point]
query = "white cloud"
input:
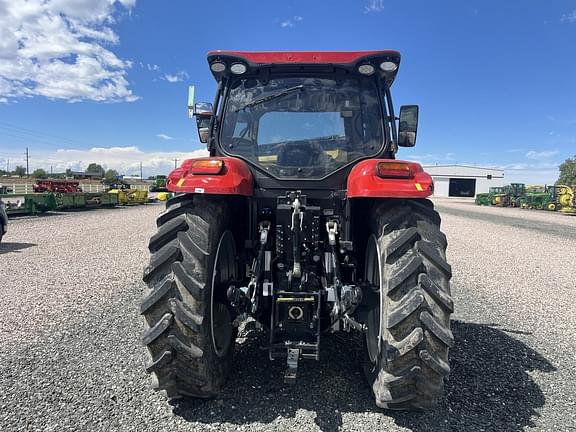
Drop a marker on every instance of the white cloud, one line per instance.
(59, 49)
(291, 22)
(541, 155)
(569, 17)
(177, 77)
(164, 136)
(125, 160)
(374, 6)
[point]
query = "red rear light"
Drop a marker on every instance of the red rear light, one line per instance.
(401, 170)
(207, 167)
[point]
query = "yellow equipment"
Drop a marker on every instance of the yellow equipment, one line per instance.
(163, 196)
(566, 199)
(500, 199)
(130, 196)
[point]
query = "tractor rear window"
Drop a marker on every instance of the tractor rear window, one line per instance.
(302, 127)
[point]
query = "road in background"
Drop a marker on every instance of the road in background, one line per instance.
(70, 356)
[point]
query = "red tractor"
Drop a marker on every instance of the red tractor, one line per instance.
(302, 219)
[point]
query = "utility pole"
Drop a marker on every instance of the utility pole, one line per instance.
(175, 163)
(8, 166)
(27, 169)
(50, 170)
(141, 177)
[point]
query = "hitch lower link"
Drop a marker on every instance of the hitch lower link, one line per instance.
(246, 298)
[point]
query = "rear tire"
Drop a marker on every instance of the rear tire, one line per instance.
(408, 325)
(189, 336)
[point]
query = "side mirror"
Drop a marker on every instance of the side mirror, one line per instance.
(408, 125)
(203, 113)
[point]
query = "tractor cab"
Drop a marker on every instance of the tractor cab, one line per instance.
(305, 116)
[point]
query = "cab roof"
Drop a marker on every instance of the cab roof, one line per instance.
(350, 60)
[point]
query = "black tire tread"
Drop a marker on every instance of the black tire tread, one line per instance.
(182, 360)
(418, 304)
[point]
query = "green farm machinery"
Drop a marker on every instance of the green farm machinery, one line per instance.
(514, 193)
(37, 203)
(483, 199)
(557, 197)
(552, 198)
(28, 204)
(158, 184)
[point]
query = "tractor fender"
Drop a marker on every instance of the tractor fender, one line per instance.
(364, 181)
(234, 179)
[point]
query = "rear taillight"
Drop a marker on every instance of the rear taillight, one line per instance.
(394, 170)
(207, 167)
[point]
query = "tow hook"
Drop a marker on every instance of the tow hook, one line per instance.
(292, 362)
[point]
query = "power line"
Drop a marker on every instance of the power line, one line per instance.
(33, 139)
(27, 131)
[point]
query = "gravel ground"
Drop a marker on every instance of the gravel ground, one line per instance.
(70, 357)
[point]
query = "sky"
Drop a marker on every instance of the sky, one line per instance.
(106, 81)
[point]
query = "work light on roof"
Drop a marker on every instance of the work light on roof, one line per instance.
(366, 69)
(388, 66)
(218, 67)
(238, 68)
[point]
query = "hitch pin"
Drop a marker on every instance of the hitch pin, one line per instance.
(292, 363)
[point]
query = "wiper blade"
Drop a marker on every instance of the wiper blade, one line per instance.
(272, 96)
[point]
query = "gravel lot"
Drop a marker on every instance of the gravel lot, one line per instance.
(70, 356)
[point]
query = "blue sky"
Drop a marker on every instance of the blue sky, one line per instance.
(106, 80)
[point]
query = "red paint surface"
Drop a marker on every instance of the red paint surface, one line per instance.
(287, 57)
(364, 182)
(235, 179)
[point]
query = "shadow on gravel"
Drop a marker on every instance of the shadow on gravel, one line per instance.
(6, 247)
(489, 389)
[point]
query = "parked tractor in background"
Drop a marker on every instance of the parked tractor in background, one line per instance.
(302, 219)
(515, 191)
(158, 183)
(537, 200)
(555, 197)
(498, 196)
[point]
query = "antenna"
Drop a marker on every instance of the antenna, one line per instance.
(191, 101)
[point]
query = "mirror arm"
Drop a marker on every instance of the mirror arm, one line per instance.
(213, 120)
(392, 123)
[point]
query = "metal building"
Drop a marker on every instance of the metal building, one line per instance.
(463, 181)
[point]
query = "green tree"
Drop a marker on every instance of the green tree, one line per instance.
(568, 172)
(110, 176)
(19, 171)
(68, 172)
(39, 173)
(95, 168)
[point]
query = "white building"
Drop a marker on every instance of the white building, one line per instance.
(463, 181)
